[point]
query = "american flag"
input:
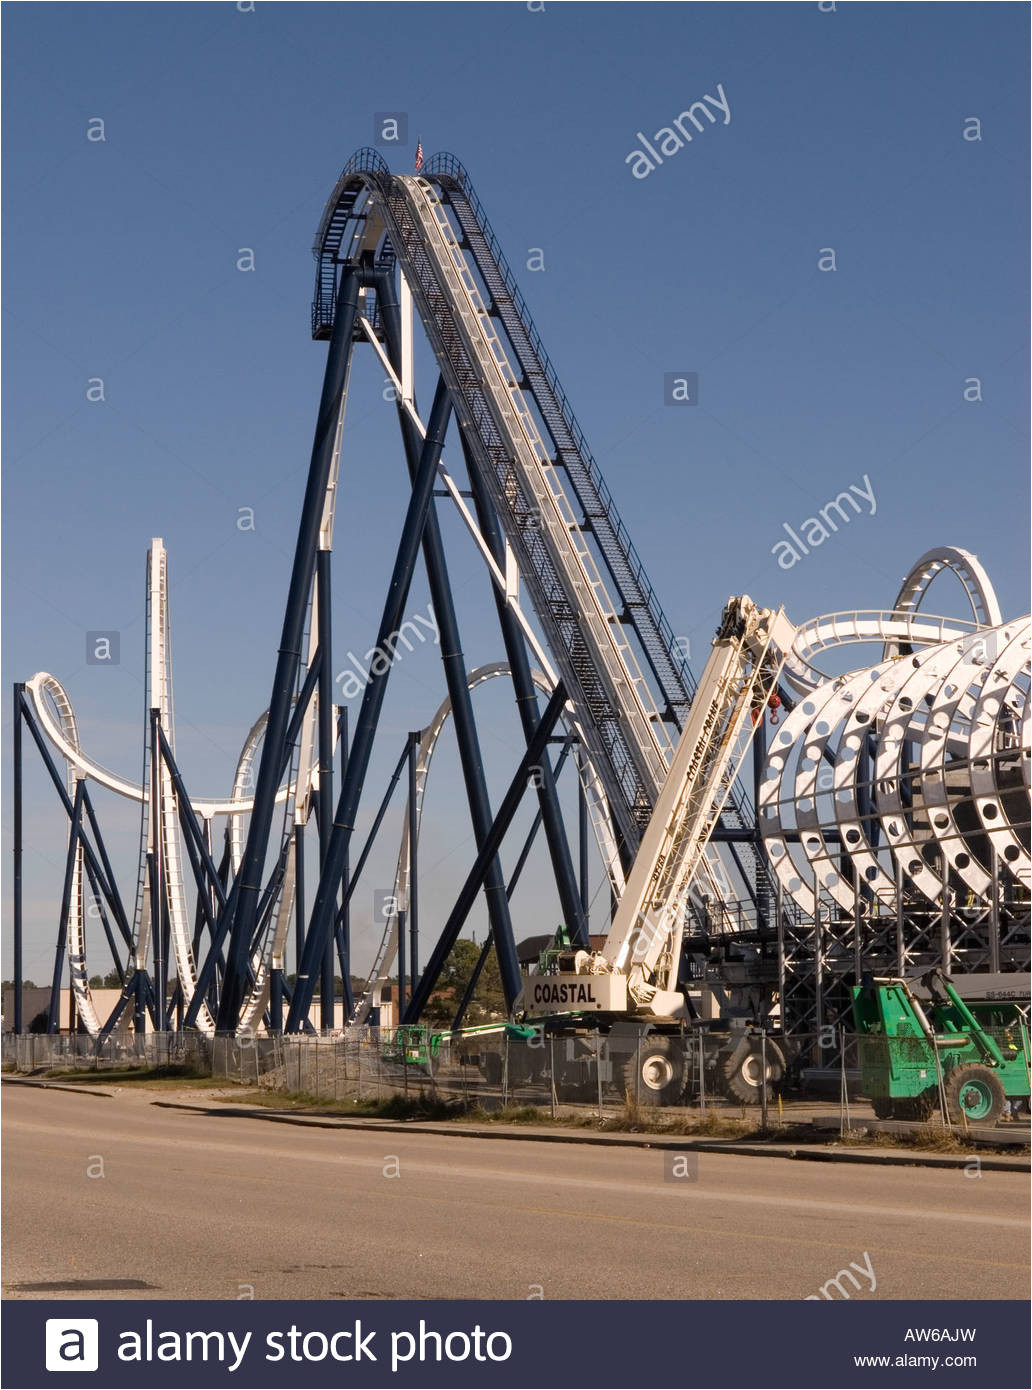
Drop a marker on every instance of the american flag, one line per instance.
(419, 155)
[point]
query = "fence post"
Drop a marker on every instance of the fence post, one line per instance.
(702, 1071)
(763, 1077)
(505, 1074)
(598, 1070)
(843, 1086)
(943, 1106)
(551, 1075)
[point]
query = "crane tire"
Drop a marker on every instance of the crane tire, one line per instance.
(742, 1072)
(654, 1073)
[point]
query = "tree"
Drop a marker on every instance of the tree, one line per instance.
(96, 982)
(488, 1002)
(110, 981)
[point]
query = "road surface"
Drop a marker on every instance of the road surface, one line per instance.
(114, 1197)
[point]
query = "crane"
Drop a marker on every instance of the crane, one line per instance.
(635, 972)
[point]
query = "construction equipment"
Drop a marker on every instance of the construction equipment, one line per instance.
(634, 978)
(972, 1059)
(415, 1045)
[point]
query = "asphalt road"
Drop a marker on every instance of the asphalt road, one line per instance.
(154, 1203)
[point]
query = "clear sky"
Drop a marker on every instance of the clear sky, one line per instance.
(224, 130)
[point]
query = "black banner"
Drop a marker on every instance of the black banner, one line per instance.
(497, 1345)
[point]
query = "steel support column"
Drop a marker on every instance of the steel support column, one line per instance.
(53, 1013)
(514, 878)
(994, 909)
(324, 911)
(536, 750)
(325, 710)
(412, 906)
(343, 928)
(454, 668)
(253, 862)
(19, 696)
(574, 907)
(158, 894)
(583, 847)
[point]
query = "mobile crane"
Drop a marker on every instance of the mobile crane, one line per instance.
(630, 986)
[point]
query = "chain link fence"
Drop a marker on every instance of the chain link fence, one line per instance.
(502, 1069)
(903, 1077)
(27, 1052)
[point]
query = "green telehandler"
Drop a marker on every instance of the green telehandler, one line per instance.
(978, 1053)
(415, 1045)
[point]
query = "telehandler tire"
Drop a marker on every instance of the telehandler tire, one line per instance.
(974, 1093)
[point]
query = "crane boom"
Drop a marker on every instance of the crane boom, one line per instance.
(643, 944)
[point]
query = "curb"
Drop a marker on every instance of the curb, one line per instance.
(55, 1086)
(885, 1157)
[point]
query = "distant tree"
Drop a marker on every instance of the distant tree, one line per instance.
(96, 982)
(40, 1022)
(111, 980)
(488, 1002)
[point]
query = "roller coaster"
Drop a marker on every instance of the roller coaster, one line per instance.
(883, 824)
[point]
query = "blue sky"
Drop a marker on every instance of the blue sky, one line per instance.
(226, 130)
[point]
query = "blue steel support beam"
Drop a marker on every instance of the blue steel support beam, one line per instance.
(207, 976)
(582, 846)
(188, 820)
(252, 865)
(574, 910)
(344, 916)
(352, 883)
(105, 881)
(325, 708)
(105, 924)
(114, 1016)
(299, 895)
(412, 907)
(324, 910)
(528, 845)
(466, 736)
(19, 694)
(110, 892)
(53, 1013)
(159, 897)
(139, 987)
(536, 750)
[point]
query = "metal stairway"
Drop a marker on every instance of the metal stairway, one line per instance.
(629, 744)
(641, 609)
